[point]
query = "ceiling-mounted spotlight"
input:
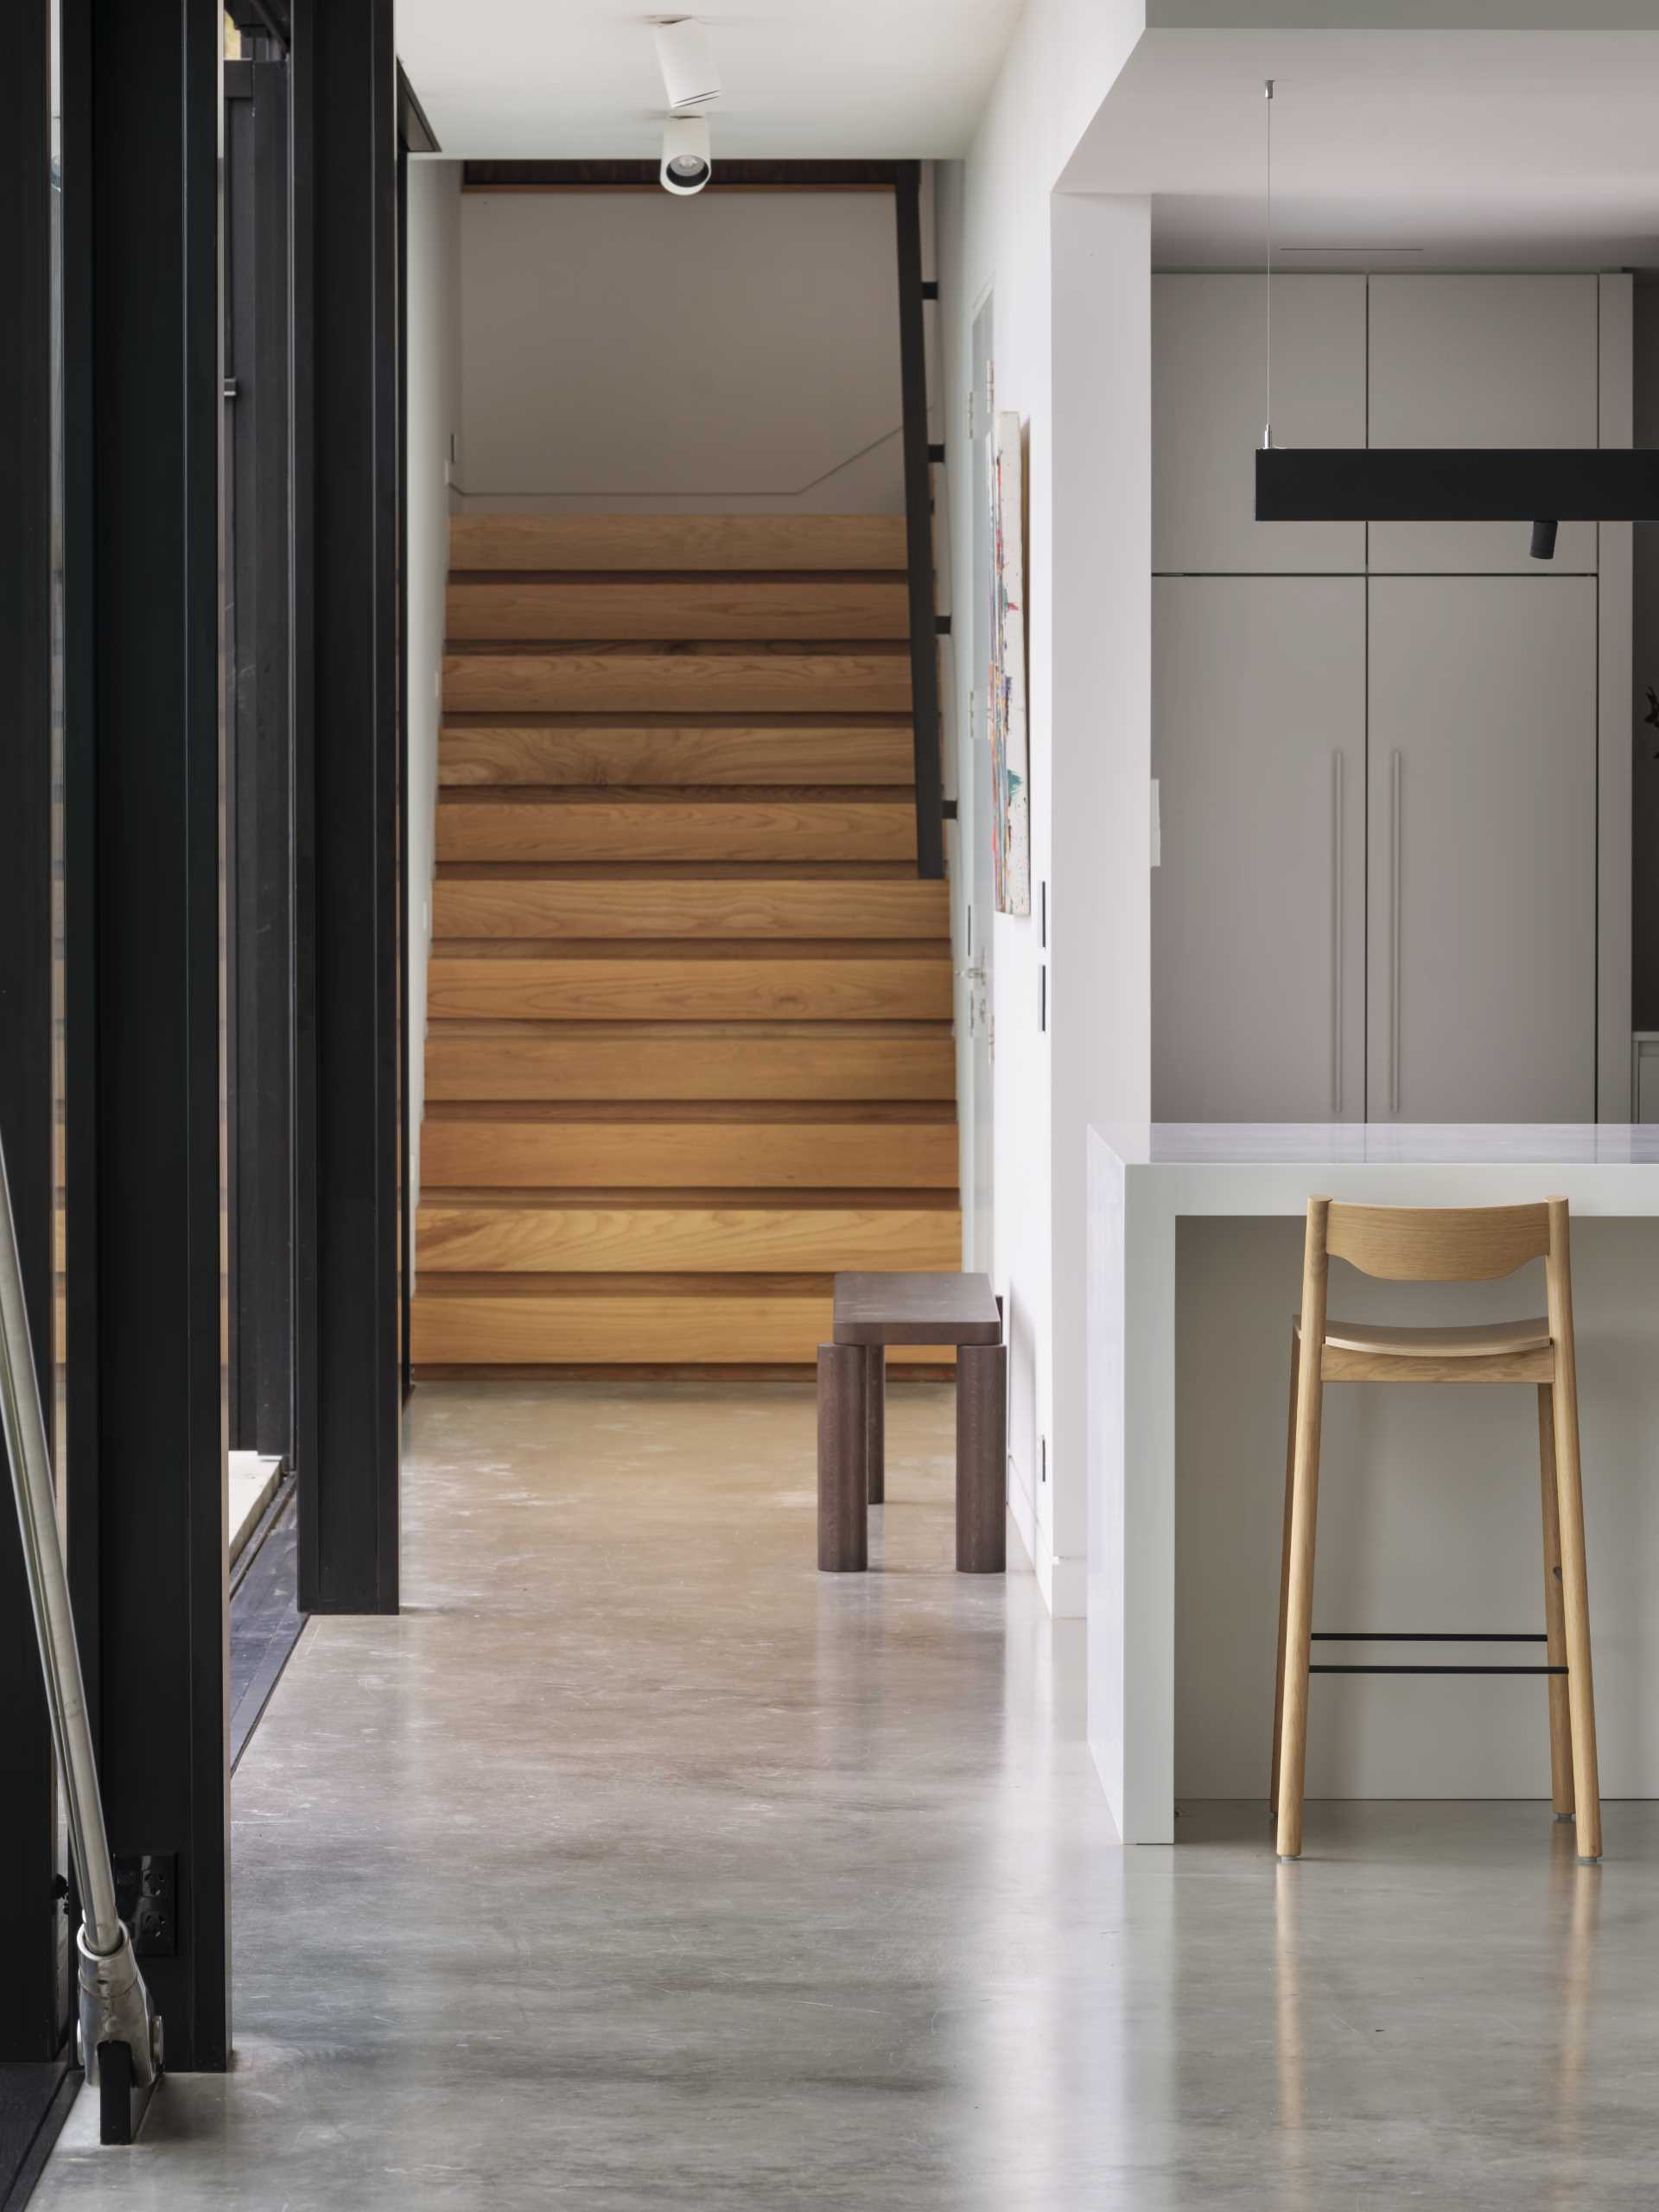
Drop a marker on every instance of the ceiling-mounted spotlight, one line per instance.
(690, 75)
(687, 163)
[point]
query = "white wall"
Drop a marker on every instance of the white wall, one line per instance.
(630, 350)
(1071, 278)
(433, 416)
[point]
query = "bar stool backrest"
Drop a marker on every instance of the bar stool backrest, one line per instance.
(1433, 1243)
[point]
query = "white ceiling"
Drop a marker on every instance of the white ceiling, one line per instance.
(1496, 149)
(825, 80)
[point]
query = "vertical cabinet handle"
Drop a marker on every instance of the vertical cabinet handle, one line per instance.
(1394, 933)
(1337, 888)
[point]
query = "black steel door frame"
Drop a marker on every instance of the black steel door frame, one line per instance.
(349, 1033)
(259, 756)
(144, 1395)
(33, 1995)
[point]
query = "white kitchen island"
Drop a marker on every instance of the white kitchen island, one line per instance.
(1187, 1393)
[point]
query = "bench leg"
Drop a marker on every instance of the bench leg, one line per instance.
(843, 1460)
(981, 1458)
(876, 1429)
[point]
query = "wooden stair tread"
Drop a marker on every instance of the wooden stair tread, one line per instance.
(659, 542)
(525, 606)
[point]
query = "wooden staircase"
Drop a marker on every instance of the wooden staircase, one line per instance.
(688, 1047)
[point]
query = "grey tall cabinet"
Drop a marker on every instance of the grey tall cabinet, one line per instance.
(1377, 894)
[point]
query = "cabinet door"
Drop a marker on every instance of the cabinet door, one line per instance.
(1258, 901)
(1481, 869)
(1460, 360)
(1209, 403)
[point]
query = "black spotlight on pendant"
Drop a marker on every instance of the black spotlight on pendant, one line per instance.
(1454, 484)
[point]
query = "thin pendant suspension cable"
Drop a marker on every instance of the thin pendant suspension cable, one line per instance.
(1267, 429)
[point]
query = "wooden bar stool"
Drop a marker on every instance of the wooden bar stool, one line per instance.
(872, 1311)
(1403, 1245)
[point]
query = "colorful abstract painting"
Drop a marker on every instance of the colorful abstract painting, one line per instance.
(1011, 816)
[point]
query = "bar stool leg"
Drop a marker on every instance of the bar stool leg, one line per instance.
(981, 1458)
(843, 1475)
(1284, 1574)
(1303, 1517)
(1569, 1490)
(875, 1399)
(1560, 1716)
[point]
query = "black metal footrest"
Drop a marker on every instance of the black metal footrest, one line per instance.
(1427, 1635)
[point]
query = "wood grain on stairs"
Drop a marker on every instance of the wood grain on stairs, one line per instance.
(689, 1045)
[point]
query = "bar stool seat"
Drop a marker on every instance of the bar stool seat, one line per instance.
(1475, 1342)
(1418, 1244)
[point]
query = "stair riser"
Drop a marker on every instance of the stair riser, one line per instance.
(518, 607)
(639, 908)
(832, 830)
(580, 1329)
(689, 990)
(696, 1155)
(660, 541)
(535, 1066)
(463, 1239)
(503, 755)
(803, 683)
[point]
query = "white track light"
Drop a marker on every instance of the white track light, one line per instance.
(690, 76)
(686, 163)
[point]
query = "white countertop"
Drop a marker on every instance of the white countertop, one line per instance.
(1364, 1144)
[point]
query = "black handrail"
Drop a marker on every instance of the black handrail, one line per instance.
(918, 518)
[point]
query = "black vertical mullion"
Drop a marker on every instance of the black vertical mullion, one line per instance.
(258, 756)
(30, 2008)
(406, 1013)
(144, 705)
(919, 526)
(345, 331)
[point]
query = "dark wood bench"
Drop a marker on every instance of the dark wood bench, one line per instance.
(874, 1311)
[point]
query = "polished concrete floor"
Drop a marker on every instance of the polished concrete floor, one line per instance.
(637, 1867)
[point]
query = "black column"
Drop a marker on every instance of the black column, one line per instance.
(347, 1399)
(146, 1419)
(31, 2007)
(259, 756)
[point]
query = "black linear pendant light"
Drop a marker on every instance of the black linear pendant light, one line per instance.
(1454, 484)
